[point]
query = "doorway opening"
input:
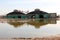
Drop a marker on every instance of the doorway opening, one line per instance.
(41, 16)
(19, 16)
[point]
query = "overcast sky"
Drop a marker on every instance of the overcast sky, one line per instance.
(49, 6)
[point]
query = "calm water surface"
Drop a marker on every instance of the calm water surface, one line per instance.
(29, 29)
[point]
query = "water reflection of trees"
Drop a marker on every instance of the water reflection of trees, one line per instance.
(35, 23)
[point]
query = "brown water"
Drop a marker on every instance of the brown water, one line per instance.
(29, 28)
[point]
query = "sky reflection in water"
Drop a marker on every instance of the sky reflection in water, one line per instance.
(32, 28)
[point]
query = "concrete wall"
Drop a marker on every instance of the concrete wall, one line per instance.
(52, 15)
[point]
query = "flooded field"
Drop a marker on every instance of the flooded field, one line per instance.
(17, 28)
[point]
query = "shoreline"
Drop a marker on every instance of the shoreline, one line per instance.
(36, 38)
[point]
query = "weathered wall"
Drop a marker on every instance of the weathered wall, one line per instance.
(52, 15)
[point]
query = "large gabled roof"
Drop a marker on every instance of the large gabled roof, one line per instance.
(15, 12)
(37, 11)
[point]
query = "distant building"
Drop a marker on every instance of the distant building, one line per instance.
(16, 14)
(36, 14)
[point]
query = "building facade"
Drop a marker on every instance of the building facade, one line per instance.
(16, 14)
(36, 14)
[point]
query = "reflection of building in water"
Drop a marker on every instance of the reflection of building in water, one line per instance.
(16, 24)
(35, 23)
(50, 21)
(39, 23)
